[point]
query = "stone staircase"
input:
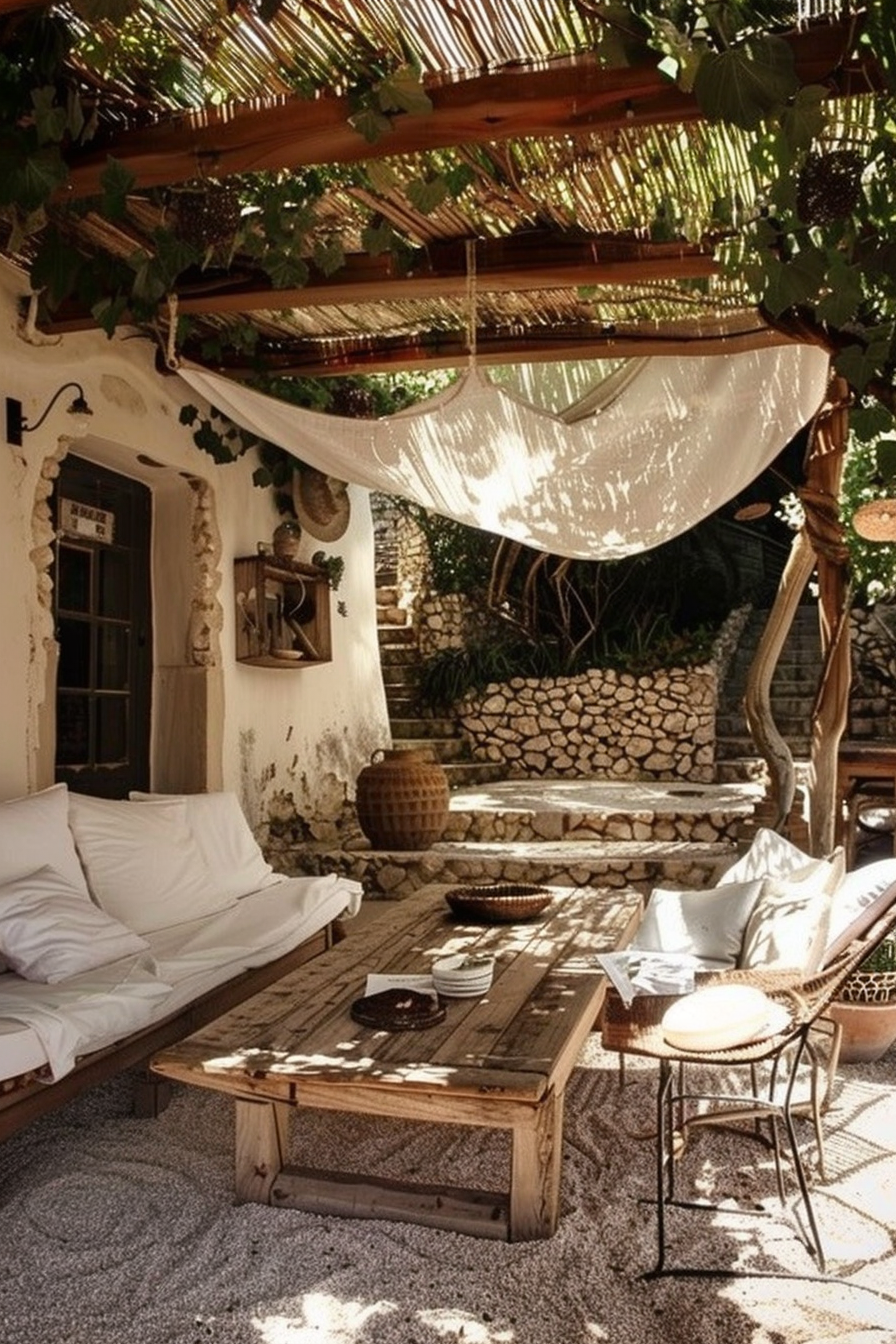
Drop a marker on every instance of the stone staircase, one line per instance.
(793, 689)
(411, 727)
(563, 832)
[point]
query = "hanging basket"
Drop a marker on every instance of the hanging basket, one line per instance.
(402, 800)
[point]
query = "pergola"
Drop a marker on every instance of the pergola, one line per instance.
(323, 190)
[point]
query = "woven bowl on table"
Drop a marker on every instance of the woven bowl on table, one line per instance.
(498, 902)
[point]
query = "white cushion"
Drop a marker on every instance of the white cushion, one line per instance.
(789, 924)
(717, 1017)
(49, 932)
(856, 891)
(708, 924)
(234, 862)
(34, 831)
(769, 855)
(141, 861)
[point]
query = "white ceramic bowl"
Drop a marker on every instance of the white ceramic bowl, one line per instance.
(462, 976)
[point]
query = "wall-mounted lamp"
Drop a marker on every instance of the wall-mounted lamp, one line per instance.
(79, 412)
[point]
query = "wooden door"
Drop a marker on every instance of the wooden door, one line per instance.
(102, 609)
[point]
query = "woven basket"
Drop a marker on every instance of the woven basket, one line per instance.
(498, 902)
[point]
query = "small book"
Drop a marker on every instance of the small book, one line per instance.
(632, 973)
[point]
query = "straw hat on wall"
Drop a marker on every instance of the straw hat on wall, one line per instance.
(321, 503)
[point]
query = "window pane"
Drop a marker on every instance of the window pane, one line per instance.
(113, 657)
(72, 729)
(73, 579)
(114, 583)
(74, 653)
(111, 730)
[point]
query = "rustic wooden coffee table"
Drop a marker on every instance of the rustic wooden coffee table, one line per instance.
(500, 1061)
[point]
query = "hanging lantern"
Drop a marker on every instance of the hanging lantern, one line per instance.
(876, 520)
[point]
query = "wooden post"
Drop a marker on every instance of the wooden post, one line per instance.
(261, 1136)
(535, 1171)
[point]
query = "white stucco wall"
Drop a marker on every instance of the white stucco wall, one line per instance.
(305, 732)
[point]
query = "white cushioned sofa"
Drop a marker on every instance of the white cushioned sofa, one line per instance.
(125, 925)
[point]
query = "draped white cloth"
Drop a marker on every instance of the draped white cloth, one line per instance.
(682, 437)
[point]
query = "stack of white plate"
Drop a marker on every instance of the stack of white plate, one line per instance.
(462, 976)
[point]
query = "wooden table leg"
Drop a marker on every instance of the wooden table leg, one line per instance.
(262, 1128)
(535, 1171)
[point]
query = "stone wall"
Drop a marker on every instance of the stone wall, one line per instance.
(603, 724)
(872, 704)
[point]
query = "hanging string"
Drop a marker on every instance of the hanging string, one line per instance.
(470, 251)
(171, 353)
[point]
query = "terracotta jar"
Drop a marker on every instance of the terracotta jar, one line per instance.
(402, 800)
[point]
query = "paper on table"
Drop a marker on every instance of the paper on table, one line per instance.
(421, 983)
(634, 973)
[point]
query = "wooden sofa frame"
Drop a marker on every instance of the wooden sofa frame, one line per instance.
(24, 1099)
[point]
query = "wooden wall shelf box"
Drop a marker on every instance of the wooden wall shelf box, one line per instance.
(282, 613)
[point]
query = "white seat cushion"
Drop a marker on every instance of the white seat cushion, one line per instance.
(717, 1018)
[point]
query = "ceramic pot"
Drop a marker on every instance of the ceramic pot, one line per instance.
(869, 1029)
(402, 800)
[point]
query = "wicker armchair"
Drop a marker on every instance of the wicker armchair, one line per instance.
(638, 1030)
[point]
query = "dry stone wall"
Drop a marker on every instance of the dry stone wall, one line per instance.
(603, 724)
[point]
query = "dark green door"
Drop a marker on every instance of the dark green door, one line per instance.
(103, 625)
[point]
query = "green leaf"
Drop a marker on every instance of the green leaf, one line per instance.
(41, 175)
(378, 238)
(844, 295)
(371, 124)
(745, 83)
(402, 91)
(427, 196)
(50, 120)
(329, 256)
(793, 282)
(285, 270)
(458, 178)
(108, 312)
(114, 11)
(804, 120)
(116, 181)
(860, 362)
(55, 270)
(381, 177)
(886, 459)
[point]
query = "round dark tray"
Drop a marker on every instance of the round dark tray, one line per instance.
(398, 1010)
(498, 902)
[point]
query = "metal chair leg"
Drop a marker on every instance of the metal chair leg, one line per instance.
(665, 1165)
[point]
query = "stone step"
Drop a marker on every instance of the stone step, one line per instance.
(391, 616)
(441, 748)
(399, 674)
(399, 655)
(639, 864)
(387, 595)
(570, 811)
(414, 726)
(395, 636)
(732, 747)
(464, 774)
(730, 725)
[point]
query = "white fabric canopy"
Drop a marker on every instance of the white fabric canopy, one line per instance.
(680, 439)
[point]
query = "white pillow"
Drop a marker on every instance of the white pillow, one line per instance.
(142, 863)
(34, 831)
(769, 855)
(233, 859)
(708, 924)
(788, 928)
(856, 891)
(49, 932)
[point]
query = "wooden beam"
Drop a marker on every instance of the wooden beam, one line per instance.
(524, 262)
(448, 350)
(568, 97)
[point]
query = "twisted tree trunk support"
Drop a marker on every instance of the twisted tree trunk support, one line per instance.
(818, 545)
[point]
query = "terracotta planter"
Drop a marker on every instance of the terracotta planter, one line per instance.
(402, 800)
(869, 1029)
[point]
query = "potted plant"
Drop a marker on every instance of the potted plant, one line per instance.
(866, 1006)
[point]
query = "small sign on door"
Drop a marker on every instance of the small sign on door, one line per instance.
(83, 520)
